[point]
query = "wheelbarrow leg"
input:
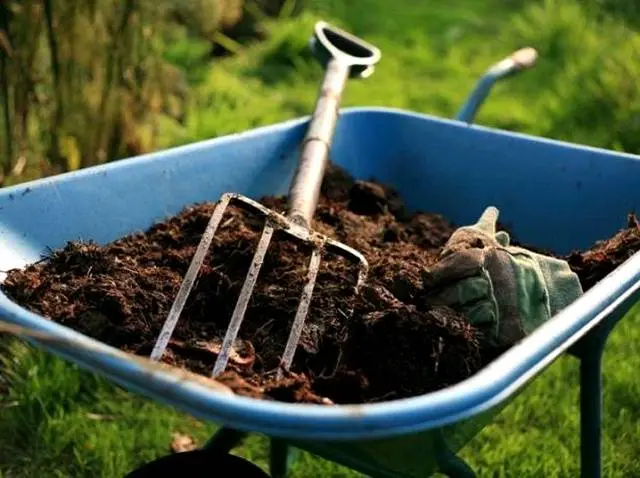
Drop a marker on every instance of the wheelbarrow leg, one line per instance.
(449, 463)
(590, 351)
(225, 439)
(455, 467)
(281, 456)
(591, 412)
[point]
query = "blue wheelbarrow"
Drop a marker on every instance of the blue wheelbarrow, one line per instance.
(437, 165)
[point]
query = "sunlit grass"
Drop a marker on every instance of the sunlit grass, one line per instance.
(56, 420)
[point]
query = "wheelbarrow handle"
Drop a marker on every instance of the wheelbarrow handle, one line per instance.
(520, 60)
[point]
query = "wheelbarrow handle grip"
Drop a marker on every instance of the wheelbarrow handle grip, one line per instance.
(519, 60)
(525, 58)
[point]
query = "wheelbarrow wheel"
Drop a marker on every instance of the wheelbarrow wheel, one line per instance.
(199, 463)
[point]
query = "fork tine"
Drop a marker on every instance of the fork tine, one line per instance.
(301, 313)
(350, 253)
(243, 300)
(190, 277)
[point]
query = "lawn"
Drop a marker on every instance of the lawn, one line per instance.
(56, 420)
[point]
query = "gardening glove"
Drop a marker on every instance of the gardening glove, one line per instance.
(504, 290)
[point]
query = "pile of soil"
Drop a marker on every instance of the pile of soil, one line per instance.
(605, 256)
(385, 344)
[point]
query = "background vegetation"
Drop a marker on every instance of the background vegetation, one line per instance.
(94, 81)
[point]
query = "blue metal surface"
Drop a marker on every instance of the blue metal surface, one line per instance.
(553, 194)
(477, 97)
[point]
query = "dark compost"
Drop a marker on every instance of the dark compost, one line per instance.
(394, 345)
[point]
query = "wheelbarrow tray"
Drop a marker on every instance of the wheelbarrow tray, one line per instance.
(552, 194)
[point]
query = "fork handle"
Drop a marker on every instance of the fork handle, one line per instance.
(305, 187)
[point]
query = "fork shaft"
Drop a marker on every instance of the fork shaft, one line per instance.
(305, 187)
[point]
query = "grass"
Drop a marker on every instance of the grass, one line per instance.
(56, 420)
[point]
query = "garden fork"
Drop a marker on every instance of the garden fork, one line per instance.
(344, 56)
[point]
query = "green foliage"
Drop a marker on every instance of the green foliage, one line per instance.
(249, 93)
(585, 89)
(582, 89)
(75, 64)
(189, 53)
(121, 66)
(65, 422)
(627, 11)
(286, 56)
(590, 68)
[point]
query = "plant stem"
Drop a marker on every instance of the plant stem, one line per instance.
(58, 114)
(4, 80)
(112, 64)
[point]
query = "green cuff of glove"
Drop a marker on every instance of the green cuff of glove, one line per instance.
(563, 284)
